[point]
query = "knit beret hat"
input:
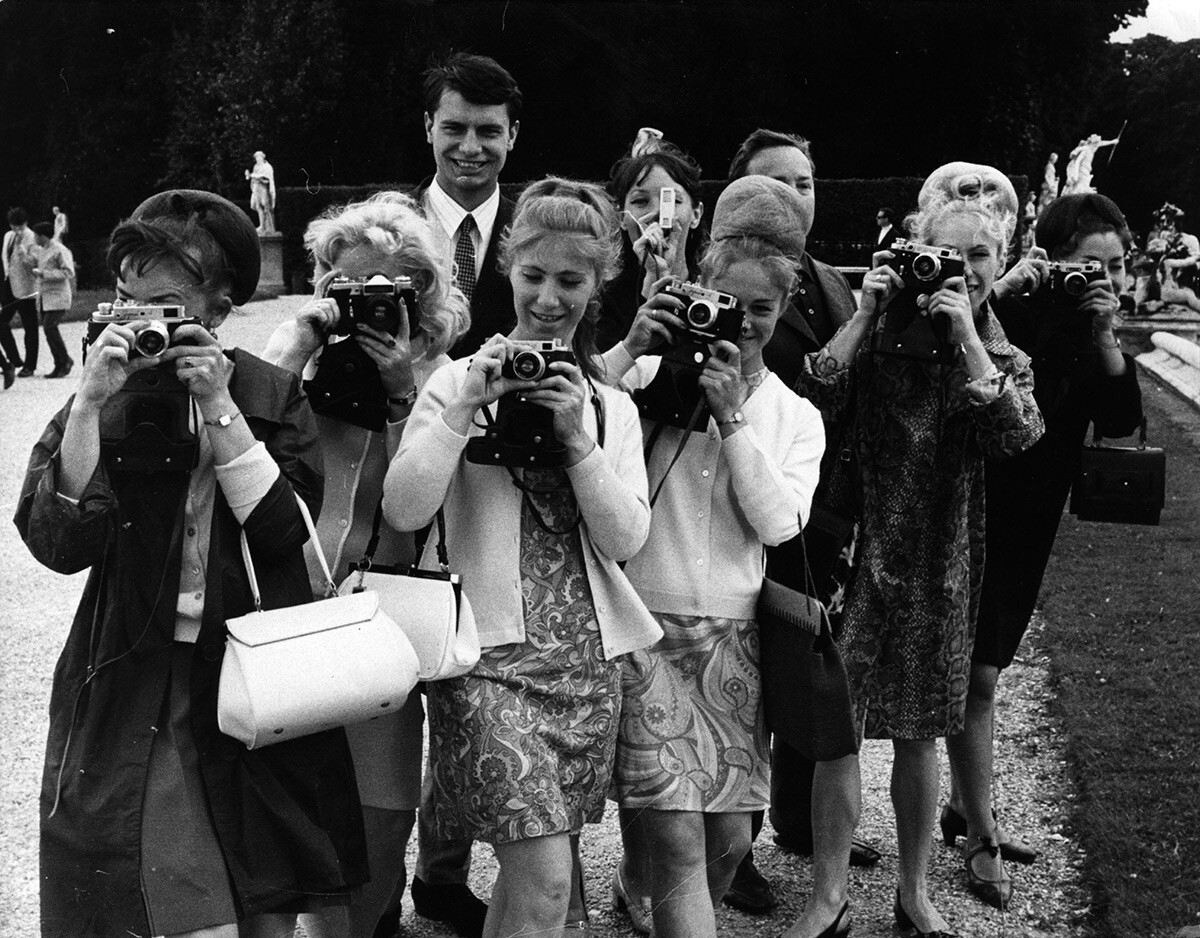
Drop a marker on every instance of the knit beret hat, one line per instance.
(229, 226)
(764, 208)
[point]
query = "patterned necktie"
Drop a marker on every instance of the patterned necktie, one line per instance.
(464, 257)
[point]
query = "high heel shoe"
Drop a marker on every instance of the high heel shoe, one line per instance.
(995, 892)
(954, 825)
(639, 908)
(904, 923)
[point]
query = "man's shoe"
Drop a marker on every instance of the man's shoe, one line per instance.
(862, 854)
(10, 375)
(750, 892)
(452, 903)
(25, 373)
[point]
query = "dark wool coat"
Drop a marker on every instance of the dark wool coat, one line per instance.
(1026, 493)
(287, 817)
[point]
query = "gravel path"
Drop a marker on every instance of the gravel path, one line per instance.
(1032, 787)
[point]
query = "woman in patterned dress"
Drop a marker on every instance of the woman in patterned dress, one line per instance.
(923, 430)
(522, 747)
(692, 757)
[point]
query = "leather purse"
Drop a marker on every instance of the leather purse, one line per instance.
(428, 605)
(806, 695)
(302, 669)
(1120, 484)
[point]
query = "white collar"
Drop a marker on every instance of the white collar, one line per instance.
(450, 214)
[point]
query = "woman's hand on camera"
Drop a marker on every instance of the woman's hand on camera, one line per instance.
(108, 365)
(657, 321)
(722, 381)
(202, 367)
(565, 393)
(953, 303)
(484, 384)
(316, 318)
(1100, 302)
(391, 354)
(880, 284)
(1026, 275)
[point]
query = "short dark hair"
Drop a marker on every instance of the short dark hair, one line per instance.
(628, 171)
(1069, 218)
(17, 216)
(44, 228)
(180, 225)
(888, 214)
(479, 79)
(763, 139)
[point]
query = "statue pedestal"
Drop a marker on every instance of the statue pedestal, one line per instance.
(270, 281)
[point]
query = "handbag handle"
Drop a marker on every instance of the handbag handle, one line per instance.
(1097, 439)
(331, 590)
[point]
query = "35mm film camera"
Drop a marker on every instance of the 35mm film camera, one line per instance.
(1068, 282)
(522, 434)
(146, 426)
(906, 332)
(674, 395)
(346, 385)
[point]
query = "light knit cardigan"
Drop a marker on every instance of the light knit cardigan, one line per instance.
(483, 514)
(724, 499)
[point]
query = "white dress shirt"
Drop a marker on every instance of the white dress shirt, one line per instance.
(450, 214)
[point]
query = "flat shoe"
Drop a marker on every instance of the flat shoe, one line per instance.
(452, 903)
(904, 923)
(750, 892)
(638, 908)
(954, 825)
(994, 892)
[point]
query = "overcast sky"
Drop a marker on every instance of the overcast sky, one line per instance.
(1175, 19)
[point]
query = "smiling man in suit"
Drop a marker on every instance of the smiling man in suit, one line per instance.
(822, 303)
(472, 106)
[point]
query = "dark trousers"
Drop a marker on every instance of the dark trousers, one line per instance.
(27, 310)
(51, 319)
(791, 791)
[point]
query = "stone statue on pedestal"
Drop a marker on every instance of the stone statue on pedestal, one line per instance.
(262, 192)
(1079, 169)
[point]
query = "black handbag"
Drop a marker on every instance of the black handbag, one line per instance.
(1120, 484)
(806, 695)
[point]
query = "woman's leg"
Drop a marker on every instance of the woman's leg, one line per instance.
(726, 842)
(914, 799)
(532, 889)
(268, 925)
(683, 906)
(635, 860)
(836, 803)
(387, 833)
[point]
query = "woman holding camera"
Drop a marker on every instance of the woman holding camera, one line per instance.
(153, 821)
(383, 236)
(922, 430)
(1081, 378)
(649, 251)
(521, 748)
(692, 758)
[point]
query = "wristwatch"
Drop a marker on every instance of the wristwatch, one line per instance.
(735, 417)
(224, 420)
(408, 399)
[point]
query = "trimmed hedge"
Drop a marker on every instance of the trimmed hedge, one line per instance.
(843, 234)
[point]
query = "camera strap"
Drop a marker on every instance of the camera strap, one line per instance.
(683, 441)
(598, 405)
(420, 536)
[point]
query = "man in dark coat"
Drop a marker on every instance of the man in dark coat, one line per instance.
(472, 106)
(822, 303)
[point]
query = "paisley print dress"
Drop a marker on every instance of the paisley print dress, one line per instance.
(524, 744)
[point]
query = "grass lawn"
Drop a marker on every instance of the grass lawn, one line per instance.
(1124, 606)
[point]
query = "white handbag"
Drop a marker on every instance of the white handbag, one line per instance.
(429, 605)
(302, 669)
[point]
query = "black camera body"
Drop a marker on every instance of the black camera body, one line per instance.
(906, 331)
(148, 425)
(522, 434)
(674, 395)
(374, 302)
(1068, 282)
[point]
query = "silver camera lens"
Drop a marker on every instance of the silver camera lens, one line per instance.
(152, 340)
(528, 365)
(1074, 284)
(926, 266)
(701, 314)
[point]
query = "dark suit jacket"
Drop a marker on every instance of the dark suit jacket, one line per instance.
(794, 337)
(492, 305)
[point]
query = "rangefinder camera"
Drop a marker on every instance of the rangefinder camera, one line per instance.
(531, 359)
(923, 266)
(709, 315)
(1071, 280)
(154, 326)
(375, 303)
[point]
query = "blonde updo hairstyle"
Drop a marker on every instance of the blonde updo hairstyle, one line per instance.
(392, 223)
(557, 208)
(973, 188)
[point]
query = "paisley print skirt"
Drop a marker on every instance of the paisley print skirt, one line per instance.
(693, 736)
(523, 746)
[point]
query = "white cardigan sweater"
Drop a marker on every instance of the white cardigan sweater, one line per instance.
(483, 514)
(724, 499)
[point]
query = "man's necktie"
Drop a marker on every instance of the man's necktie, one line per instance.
(464, 257)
